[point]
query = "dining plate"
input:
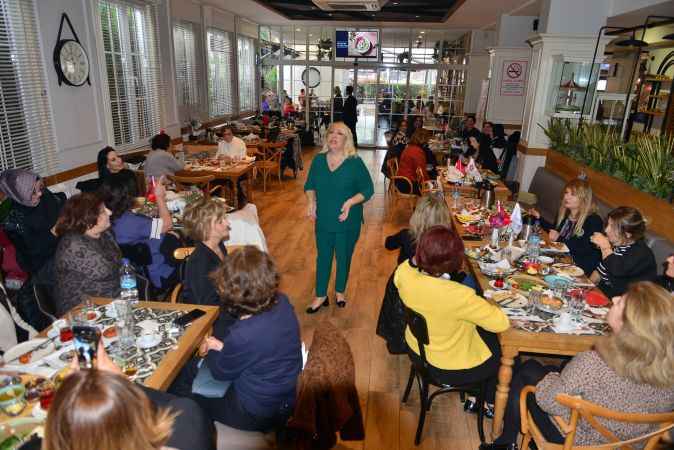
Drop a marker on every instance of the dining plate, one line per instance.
(525, 283)
(568, 270)
(554, 247)
(25, 348)
(507, 298)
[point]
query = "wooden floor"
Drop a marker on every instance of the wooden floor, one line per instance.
(380, 377)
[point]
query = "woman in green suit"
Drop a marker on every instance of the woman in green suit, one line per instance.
(337, 186)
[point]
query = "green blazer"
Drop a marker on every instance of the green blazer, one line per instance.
(334, 188)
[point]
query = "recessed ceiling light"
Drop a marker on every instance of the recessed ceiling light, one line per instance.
(421, 32)
(311, 35)
(416, 17)
(298, 29)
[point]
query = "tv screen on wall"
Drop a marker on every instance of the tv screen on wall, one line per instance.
(357, 44)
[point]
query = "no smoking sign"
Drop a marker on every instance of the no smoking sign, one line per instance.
(514, 77)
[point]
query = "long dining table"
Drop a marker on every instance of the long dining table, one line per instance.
(518, 339)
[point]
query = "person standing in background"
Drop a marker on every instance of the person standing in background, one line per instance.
(337, 105)
(350, 114)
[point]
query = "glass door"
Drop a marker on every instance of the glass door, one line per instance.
(390, 101)
(365, 91)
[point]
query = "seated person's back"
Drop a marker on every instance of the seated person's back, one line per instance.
(159, 161)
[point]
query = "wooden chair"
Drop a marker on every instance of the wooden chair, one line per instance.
(590, 412)
(420, 370)
(420, 176)
(392, 165)
(180, 254)
(269, 160)
(397, 195)
(203, 182)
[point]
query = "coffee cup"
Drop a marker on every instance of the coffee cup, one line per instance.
(565, 321)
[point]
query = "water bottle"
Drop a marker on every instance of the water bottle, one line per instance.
(127, 282)
(534, 245)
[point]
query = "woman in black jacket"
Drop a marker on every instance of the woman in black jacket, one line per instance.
(577, 221)
(625, 256)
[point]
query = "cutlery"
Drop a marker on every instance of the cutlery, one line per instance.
(36, 348)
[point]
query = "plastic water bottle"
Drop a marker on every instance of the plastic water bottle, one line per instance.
(127, 282)
(534, 245)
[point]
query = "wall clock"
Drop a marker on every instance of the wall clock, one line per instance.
(311, 77)
(70, 58)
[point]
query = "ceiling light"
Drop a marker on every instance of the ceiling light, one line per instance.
(421, 32)
(416, 17)
(298, 29)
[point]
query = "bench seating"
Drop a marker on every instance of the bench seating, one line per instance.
(547, 187)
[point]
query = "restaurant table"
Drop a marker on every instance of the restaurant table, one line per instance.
(501, 191)
(172, 361)
(515, 341)
(232, 173)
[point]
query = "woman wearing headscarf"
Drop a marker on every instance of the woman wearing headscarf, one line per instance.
(31, 219)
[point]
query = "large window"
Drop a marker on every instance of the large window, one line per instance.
(246, 65)
(130, 45)
(187, 74)
(219, 73)
(26, 134)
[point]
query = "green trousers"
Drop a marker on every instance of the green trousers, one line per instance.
(334, 244)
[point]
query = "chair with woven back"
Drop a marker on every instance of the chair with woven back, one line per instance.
(397, 194)
(590, 412)
(269, 160)
(392, 165)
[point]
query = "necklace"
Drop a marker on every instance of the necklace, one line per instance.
(334, 164)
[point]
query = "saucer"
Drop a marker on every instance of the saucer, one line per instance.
(147, 341)
(557, 326)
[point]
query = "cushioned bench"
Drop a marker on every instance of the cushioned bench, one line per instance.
(548, 187)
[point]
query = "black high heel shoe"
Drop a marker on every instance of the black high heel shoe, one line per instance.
(312, 310)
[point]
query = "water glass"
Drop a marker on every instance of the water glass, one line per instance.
(534, 300)
(575, 300)
(124, 323)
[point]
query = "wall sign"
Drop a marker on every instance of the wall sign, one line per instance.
(514, 78)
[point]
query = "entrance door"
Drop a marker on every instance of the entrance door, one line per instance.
(364, 82)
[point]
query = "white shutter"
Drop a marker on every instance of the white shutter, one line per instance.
(246, 65)
(131, 48)
(26, 130)
(220, 59)
(187, 73)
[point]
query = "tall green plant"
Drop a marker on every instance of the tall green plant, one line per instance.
(656, 163)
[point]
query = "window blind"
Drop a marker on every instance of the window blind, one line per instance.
(220, 59)
(187, 72)
(131, 48)
(26, 132)
(246, 66)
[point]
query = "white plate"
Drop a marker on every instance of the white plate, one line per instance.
(546, 259)
(148, 341)
(560, 329)
(27, 346)
(517, 301)
(562, 248)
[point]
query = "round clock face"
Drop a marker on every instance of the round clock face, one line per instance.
(73, 63)
(311, 77)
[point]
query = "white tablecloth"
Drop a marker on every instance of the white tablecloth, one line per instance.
(245, 228)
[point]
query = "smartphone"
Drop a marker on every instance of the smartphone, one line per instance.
(85, 340)
(188, 318)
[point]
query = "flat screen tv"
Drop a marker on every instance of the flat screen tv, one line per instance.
(357, 44)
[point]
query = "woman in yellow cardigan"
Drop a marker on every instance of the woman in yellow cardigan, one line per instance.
(463, 347)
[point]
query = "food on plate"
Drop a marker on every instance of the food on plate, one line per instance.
(25, 358)
(91, 315)
(500, 296)
(569, 270)
(110, 332)
(524, 283)
(552, 302)
(559, 246)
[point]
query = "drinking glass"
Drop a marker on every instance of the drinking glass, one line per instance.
(124, 323)
(66, 330)
(534, 300)
(575, 299)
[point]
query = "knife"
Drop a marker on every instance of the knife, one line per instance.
(34, 349)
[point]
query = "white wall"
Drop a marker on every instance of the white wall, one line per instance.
(507, 107)
(79, 113)
(513, 31)
(478, 67)
(573, 16)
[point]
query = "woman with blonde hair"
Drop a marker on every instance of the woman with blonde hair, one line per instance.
(577, 221)
(206, 223)
(337, 186)
(431, 210)
(631, 370)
